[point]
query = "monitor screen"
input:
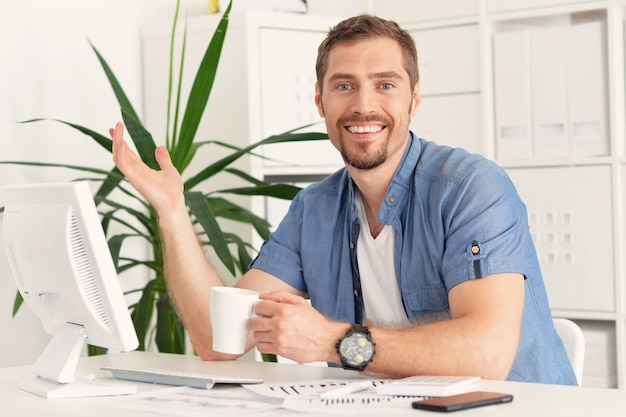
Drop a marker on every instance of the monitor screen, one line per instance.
(61, 264)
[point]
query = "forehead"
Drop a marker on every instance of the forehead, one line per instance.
(366, 56)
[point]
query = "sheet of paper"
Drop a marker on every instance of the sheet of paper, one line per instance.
(305, 397)
(310, 389)
(353, 403)
(193, 402)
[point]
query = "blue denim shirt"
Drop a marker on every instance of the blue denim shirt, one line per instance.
(457, 217)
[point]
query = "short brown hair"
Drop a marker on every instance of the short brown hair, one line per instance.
(363, 27)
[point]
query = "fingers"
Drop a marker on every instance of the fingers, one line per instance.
(120, 148)
(122, 155)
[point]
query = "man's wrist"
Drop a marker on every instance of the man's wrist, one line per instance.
(356, 348)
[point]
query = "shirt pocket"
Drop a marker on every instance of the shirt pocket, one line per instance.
(426, 300)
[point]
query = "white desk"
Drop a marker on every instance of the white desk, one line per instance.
(529, 399)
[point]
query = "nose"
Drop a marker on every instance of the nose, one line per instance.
(364, 101)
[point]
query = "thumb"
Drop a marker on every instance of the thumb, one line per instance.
(162, 156)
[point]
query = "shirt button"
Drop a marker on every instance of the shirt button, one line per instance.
(351, 245)
(353, 208)
(475, 250)
(392, 199)
(356, 293)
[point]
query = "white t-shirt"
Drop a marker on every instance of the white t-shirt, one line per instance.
(379, 286)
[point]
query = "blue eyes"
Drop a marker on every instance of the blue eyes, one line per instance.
(347, 87)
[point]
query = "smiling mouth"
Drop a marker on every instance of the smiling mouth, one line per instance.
(365, 129)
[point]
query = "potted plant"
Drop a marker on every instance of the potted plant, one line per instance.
(153, 315)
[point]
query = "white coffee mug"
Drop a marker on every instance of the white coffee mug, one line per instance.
(231, 308)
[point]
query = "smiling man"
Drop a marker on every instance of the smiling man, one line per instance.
(416, 258)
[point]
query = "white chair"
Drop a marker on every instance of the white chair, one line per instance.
(574, 342)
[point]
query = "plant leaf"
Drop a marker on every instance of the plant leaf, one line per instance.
(200, 92)
(17, 303)
(242, 251)
(122, 99)
(110, 183)
(54, 165)
(102, 140)
(170, 83)
(220, 165)
(163, 336)
(142, 313)
(142, 140)
(200, 208)
(282, 191)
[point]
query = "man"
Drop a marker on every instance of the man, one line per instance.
(417, 258)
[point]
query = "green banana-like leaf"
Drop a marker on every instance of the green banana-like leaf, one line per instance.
(229, 210)
(115, 246)
(244, 258)
(96, 350)
(55, 165)
(102, 140)
(17, 302)
(132, 263)
(122, 99)
(282, 191)
(142, 313)
(203, 213)
(220, 165)
(145, 220)
(244, 176)
(166, 338)
(200, 92)
(110, 183)
(170, 82)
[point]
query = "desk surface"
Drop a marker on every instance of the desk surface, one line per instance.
(529, 399)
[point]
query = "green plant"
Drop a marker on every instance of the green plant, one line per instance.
(154, 310)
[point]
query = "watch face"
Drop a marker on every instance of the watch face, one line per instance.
(356, 349)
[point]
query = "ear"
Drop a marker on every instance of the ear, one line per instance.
(318, 100)
(416, 99)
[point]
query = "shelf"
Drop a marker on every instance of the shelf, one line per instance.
(584, 315)
(550, 163)
(546, 11)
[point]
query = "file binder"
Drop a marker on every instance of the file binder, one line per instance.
(513, 96)
(549, 93)
(587, 88)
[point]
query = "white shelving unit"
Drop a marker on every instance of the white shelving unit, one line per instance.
(576, 202)
(575, 199)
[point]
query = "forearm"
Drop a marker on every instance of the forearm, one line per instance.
(189, 278)
(450, 347)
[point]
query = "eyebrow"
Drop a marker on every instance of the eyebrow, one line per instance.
(372, 76)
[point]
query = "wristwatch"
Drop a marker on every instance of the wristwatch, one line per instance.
(356, 348)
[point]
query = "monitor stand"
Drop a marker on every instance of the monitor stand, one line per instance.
(55, 370)
(81, 387)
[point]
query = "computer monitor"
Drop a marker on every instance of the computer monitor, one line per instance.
(62, 266)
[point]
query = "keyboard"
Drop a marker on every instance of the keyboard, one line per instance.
(176, 378)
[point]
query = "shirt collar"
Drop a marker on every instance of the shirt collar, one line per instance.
(400, 188)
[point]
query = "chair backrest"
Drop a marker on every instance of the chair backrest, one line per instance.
(574, 341)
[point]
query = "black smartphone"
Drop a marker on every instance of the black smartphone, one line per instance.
(462, 401)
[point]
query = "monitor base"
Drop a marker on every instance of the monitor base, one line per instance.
(81, 387)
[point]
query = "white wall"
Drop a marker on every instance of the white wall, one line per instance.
(48, 70)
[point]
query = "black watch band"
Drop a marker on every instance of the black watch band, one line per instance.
(356, 348)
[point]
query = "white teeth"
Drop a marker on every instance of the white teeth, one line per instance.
(365, 129)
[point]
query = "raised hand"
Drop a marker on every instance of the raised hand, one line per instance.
(162, 188)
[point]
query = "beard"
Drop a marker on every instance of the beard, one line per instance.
(364, 155)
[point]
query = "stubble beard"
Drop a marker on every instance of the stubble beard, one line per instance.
(364, 155)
